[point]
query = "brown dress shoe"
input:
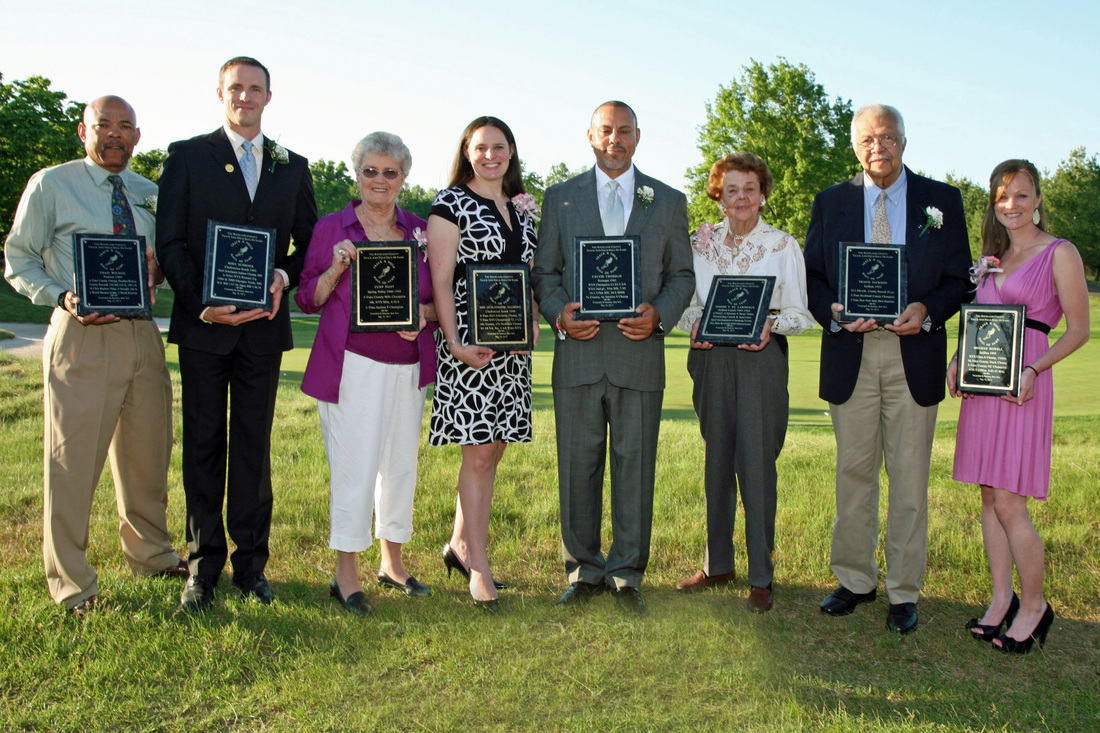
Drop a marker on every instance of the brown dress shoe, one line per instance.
(83, 608)
(179, 570)
(760, 600)
(701, 580)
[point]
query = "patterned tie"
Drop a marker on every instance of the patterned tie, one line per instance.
(880, 227)
(613, 225)
(121, 216)
(248, 168)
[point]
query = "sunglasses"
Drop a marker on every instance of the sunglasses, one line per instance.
(389, 174)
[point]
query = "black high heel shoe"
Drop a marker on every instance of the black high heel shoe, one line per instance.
(989, 633)
(451, 561)
(1039, 634)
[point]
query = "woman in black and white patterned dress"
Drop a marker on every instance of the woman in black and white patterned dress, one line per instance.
(482, 398)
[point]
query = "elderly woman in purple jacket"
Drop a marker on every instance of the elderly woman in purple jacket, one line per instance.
(370, 387)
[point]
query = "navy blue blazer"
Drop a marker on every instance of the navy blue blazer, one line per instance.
(938, 263)
(202, 181)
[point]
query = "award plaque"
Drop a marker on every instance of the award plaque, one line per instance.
(873, 279)
(112, 276)
(385, 287)
(607, 277)
(498, 302)
(991, 348)
(736, 309)
(240, 261)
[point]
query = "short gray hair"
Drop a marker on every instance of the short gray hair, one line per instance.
(879, 110)
(383, 143)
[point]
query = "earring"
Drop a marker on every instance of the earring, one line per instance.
(763, 200)
(1035, 217)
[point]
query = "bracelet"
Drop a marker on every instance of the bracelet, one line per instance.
(1032, 369)
(453, 341)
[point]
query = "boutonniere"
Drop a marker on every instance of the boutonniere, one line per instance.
(645, 193)
(525, 204)
(421, 241)
(986, 265)
(701, 240)
(279, 154)
(935, 219)
(149, 204)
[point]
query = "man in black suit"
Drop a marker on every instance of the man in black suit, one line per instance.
(883, 382)
(229, 357)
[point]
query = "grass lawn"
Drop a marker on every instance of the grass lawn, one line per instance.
(693, 662)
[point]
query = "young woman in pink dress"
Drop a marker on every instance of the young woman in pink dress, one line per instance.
(1003, 443)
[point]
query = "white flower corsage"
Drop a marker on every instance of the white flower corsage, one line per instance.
(421, 241)
(278, 153)
(645, 193)
(149, 204)
(935, 219)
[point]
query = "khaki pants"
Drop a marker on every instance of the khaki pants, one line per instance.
(107, 392)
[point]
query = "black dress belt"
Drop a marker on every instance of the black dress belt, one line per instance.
(1037, 325)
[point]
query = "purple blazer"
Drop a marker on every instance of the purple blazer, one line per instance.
(326, 360)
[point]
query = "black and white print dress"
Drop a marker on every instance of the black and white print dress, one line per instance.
(478, 406)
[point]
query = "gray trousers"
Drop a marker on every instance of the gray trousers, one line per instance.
(585, 417)
(742, 403)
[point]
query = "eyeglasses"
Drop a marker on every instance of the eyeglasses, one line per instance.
(886, 141)
(389, 173)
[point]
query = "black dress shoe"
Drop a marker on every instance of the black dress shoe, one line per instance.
(902, 617)
(630, 599)
(357, 603)
(451, 562)
(990, 632)
(579, 592)
(412, 587)
(253, 584)
(842, 601)
(1006, 643)
(198, 594)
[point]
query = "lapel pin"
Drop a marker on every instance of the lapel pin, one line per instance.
(228, 167)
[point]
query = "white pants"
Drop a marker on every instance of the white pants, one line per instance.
(372, 438)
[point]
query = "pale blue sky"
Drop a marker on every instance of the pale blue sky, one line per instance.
(977, 82)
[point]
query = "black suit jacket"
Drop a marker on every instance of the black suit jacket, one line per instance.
(202, 181)
(938, 263)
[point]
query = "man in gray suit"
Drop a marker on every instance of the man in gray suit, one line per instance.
(610, 375)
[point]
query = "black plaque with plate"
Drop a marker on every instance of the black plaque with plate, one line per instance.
(736, 309)
(112, 276)
(498, 302)
(991, 348)
(873, 281)
(607, 277)
(240, 261)
(385, 287)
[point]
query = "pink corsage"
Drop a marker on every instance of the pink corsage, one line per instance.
(986, 264)
(525, 204)
(701, 240)
(421, 241)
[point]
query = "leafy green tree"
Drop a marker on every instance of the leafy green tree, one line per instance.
(533, 183)
(560, 172)
(416, 200)
(975, 200)
(780, 113)
(1072, 198)
(149, 163)
(333, 185)
(37, 130)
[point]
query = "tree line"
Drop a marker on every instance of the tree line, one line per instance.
(777, 111)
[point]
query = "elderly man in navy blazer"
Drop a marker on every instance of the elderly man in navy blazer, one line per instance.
(883, 381)
(229, 357)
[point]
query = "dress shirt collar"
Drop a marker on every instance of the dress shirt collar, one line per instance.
(626, 190)
(895, 193)
(236, 139)
(895, 206)
(100, 174)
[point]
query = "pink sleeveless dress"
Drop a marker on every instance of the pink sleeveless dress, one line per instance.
(999, 443)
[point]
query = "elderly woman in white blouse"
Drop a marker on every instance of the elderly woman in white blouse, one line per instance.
(740, 392)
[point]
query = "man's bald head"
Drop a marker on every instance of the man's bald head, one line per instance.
(109, 132)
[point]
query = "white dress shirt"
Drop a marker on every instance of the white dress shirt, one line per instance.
(626, 191)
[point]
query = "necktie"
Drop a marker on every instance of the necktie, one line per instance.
(121, 216)
(248, 168)
(613, 225)
(880, 227)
